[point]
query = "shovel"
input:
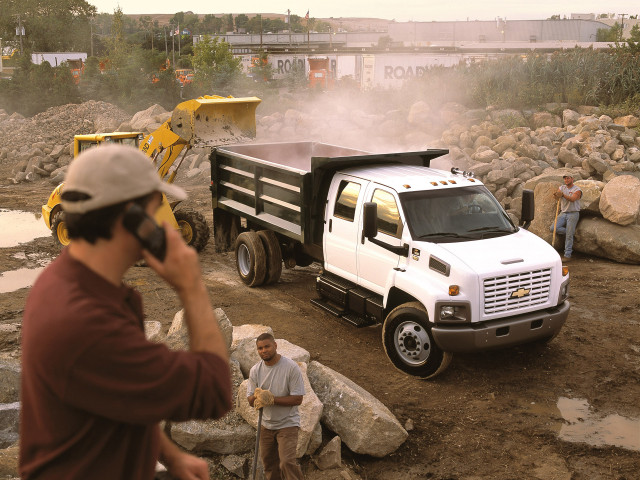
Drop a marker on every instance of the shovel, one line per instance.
(255, 455)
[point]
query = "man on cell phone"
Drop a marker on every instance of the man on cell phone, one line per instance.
(93, 388)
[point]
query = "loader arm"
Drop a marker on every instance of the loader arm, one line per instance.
(164, 147)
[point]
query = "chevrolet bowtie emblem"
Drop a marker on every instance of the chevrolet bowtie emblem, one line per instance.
(521, 292)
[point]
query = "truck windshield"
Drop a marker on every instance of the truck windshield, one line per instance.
(455, 215)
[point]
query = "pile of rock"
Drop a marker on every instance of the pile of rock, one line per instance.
(332, 401)
(602, 154)
(360, 421)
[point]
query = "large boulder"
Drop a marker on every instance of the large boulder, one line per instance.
(9, 381)
(9, 423)
(545, 211)
(151, 115)
(178, 334)
(363, 423)
(602, 238)
(591, 191)
(248, 331)
(629, 121)
(620, 200)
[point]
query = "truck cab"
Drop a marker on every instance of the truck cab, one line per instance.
(439, 250)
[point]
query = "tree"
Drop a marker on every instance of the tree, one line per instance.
(609, 34)
(241, 22)
(214, 63)
(50, 25)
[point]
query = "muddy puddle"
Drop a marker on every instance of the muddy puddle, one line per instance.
(581, 424)
(20, 227)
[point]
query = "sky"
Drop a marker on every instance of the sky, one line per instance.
(405, 10)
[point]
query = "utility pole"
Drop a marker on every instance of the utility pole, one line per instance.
(622, 15)
(0, 55)
(173, 47)
(289, 22)
(166, 49)
(179, 40)
(91, 33)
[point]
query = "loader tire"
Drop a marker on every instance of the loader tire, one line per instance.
(193, 227)
(274, 256)
(59, 230)
(251, 259)
(409, 344)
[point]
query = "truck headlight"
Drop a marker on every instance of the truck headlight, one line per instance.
(564, 292)
(453, 313)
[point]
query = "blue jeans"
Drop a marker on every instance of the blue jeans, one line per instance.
(567, 222)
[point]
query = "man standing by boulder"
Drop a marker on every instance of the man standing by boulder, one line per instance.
(569, 196)
(277, 386)
(94, 389)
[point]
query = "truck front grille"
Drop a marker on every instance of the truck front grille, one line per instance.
(516, 291)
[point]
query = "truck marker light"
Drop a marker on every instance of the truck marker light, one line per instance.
(521, 292)
(454, 290)
(406, 186)
(471, 179)
(565, 271)
(452, 181)
(435, 184)
(443, 182)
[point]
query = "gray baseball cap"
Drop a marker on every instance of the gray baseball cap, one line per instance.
(112, 174)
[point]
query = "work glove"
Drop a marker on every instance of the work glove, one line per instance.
(558, 195)
(263, 398)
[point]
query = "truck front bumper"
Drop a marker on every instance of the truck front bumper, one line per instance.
(505, 332)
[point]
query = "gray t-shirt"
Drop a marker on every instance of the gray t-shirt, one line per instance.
(566, 205)
(282, 379)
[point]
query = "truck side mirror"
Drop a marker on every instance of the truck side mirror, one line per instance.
(370, 219)
(528, 208)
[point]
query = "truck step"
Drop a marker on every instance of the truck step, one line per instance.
(357, 320)
(327, 307)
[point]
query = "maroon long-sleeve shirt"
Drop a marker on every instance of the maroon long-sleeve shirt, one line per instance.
(94, 388)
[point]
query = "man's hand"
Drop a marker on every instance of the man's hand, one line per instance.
(557, 195)
(263, 398)
(181, 465)
(188, 467)
(180, 268)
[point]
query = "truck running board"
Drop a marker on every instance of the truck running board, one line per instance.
(346, 300)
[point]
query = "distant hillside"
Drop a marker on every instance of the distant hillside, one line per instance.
(347, 23)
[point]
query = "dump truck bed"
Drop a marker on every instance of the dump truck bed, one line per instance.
(283, 186)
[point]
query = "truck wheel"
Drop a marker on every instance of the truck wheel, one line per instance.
(274, 255)
(251, 259)
(59, 230)
(407, 340)
(193, 227)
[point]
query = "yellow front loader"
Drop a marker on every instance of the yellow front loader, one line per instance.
(207, 121)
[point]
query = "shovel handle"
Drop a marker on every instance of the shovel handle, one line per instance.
(555, 224)
(255, 455)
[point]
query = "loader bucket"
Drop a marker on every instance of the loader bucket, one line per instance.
(214, 120)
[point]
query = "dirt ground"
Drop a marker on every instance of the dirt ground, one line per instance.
(490, 415)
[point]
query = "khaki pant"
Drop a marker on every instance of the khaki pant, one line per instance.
(278, 454)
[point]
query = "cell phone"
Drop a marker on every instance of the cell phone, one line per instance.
(146, 230)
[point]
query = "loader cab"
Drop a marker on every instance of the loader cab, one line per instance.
(84, 142)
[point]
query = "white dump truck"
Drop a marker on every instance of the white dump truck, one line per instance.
(430, 255)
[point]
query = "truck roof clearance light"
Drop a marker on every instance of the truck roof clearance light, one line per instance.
(406, 186)
(454, 290)
(452, 181)
(435, 184)
(471, 179)
(443, 182)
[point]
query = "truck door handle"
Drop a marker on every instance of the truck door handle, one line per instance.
(330, 224)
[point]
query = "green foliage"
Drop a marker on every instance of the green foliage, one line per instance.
(35, 88)
(612, 34)
(215, 66)
(577, 76)
(296, 78)
(50, 25)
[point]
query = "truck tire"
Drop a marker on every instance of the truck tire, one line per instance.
(407, 340)
(251, 259)
(274, 255)
(59, 230)
(193, 227)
